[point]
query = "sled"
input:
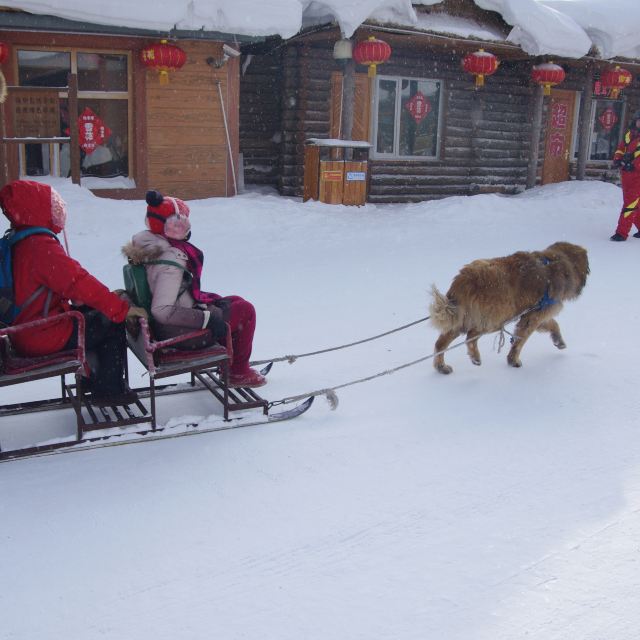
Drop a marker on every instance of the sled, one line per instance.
(208, 366)
(19, 369)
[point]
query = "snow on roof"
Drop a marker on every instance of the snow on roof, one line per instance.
(565, 28)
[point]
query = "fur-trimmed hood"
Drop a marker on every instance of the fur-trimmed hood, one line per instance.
(147, 246)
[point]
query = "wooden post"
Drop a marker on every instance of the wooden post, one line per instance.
(348, 99)
(584, 124)
(74, 150)
(534, 142)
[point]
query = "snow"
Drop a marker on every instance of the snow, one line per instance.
(566, 28)
(491, 504)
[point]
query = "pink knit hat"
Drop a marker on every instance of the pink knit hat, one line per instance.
(167, 216)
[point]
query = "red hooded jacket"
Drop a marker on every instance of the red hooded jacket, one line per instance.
(40, 260)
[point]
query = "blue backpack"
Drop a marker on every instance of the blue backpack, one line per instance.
(8, 308)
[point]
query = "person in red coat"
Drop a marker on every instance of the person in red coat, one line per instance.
(627, 158)
(40, 262)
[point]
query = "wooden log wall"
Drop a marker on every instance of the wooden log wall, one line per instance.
(485, 133)
(260, 118)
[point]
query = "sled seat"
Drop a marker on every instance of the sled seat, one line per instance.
(18, 369)
(209, 366)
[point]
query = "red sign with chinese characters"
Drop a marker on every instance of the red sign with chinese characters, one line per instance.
(418, 106)
(92, 132)
(556, 144)
(608, 119)
(559, 115)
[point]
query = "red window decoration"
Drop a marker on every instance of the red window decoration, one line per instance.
(371, 53)
(480, 63)
(616, 79)
(91, 131)
(164, 57)
(548, 75)
(418, 106)
(4, 52)
(608, 119)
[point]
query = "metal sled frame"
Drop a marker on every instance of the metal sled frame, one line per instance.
(208, 366)
(16, 369)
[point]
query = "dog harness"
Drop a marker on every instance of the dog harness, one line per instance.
(546, 300)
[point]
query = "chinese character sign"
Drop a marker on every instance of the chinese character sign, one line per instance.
(559, 115)
(556, 144)
(92, 132)
(418, 106)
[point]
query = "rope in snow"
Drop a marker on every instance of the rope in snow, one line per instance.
(292, 359)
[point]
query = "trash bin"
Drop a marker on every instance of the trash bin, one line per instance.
(336, 171)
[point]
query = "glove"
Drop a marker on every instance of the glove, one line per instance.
(627, 162)
(132, 320)
(617, 163)
(217, 325)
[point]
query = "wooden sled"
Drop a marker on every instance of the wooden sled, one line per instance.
(208, 366)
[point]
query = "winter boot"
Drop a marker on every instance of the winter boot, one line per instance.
(636, 234)
(616, 237)
(248, 378)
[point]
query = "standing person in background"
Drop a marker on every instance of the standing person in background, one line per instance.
(46, 280)
(174, 266)
(627, 158)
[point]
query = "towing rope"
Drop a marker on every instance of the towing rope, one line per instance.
(330, 392)
(293, 358)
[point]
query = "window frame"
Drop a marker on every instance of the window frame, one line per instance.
(592, 117)
(54, 148)
(396, 122)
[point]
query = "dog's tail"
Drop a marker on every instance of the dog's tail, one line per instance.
(445, 315)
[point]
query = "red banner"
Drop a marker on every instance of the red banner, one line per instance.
(92, 132)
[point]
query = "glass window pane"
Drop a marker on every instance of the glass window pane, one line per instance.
(420, 101)
(43, 68)
(111, 157)
(102, 72)
(606, 129)
(386, 115)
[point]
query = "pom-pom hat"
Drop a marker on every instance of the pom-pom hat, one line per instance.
(167, 216)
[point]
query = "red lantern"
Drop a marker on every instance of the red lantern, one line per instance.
(480, 63)
(616, 80)
(164, 57)
(548, 75)
(371, 53)
(4, 52)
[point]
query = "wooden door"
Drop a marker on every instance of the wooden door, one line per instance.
(557, 146)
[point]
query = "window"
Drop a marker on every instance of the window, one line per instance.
(103, 89)
(606, 120)
(605, 124)
(407, 118)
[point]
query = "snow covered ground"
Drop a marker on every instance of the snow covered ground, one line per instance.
(491, 504)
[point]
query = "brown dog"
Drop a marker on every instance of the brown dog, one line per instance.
(486, 294)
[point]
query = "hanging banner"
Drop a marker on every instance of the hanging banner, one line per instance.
(92, 132)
